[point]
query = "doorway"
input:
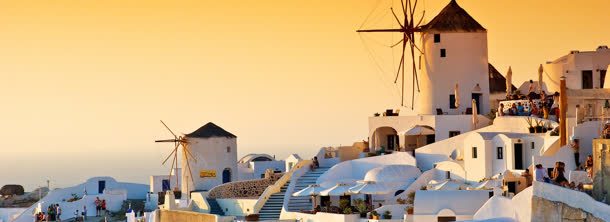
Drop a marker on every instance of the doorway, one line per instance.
(101, 186)
(392, 141)
(477, 99)
(165, 185)
(446, 219)
(512, 187)
(587, 79)
(226, 175)
(518, 149)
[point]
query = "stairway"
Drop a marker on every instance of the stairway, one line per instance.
(273, 207)
(296, 204)
(214, 207)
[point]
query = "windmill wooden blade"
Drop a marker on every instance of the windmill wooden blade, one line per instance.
(187, 151)
(170, 155)
(396, 17)
(169, 176)
(402, 61)
(166, 127)
(188, 166)
(395, 44)
(165, 141)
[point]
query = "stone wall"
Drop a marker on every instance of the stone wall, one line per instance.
(244, 189)
(544, 210)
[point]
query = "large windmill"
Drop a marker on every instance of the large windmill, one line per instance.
(179, 141)
(408, 26)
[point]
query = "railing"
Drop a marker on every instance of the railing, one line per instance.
(277, 186)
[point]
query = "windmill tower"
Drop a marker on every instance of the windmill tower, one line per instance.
(209, 158)
(455, 51)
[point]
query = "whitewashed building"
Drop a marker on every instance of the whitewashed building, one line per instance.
(582, 69)
(253, 166)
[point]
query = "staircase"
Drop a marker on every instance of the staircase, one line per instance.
(273, 207)
(296, 204)
(214, 207)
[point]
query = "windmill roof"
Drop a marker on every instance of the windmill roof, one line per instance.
(210, 130)
(497, 82)
(453, 18)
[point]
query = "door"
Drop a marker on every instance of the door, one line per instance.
(518, 156)
(165, 185)
(226, 175)
(325, 201)
(512, 187)
(587, 79)
(602, 78)
(430, 139)
(101, 185)
(446, 219)
(477, 98)
(392, 141)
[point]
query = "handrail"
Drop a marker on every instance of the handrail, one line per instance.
(277, 186)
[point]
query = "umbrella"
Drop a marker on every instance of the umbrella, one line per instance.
(311, 190)
(370, 187)
(341, 189)
(540, 70)
(457, 96)
(475, 113)
(419, 130)
(509, 79)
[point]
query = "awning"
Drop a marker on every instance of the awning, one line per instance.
(419, 130)
(370, 187)
(341, 189)
(311, 190)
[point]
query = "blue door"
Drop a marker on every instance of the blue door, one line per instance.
(165, 185)
(226, 175)
(101, 185)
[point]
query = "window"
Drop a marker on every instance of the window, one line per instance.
(443, 53)
(453, 133)
(437, 38)
(474, 153)
(533, 145)
(452, 102)
(500, 153)
(587, 79)
(228, 149)
(602, 78)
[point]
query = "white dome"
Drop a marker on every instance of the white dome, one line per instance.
(392, 173)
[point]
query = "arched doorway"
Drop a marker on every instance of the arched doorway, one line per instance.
(445, 215)
(226, 175)
(418, 136)
(385, 137)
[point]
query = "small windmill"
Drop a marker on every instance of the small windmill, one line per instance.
(408, 27)
(178, 142)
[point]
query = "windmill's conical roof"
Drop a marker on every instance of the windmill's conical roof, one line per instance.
(497, 82)
(453, 18)
(210, 130)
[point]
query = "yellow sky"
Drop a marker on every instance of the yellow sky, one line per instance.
(84, 83)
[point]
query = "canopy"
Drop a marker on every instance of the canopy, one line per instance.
(475, 113)
(311, 190)
(341, 189)
(370, 187)
(509, 79)
(419, 130)
(457, 96)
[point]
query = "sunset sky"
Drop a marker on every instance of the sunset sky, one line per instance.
(84, 83)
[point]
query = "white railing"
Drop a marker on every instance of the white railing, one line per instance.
(277, 186)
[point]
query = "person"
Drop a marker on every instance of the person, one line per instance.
(541, 175)
(58, 212)
(513, 110)
(534, 111)
(589, 166)
(545, 112)
(558, 174)
(576, 148)
(103, 205)
(76, 215)
(532, 90)
(85, 212)
(520, 109)
(501, 110)
(528, 177)
(98, 206)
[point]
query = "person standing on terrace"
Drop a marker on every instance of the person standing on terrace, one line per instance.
(576, 148)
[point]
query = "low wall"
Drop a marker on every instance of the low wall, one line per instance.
(179, 216)
(546, 210)
(243, 189)
(555, 202)
(319, 217)
(237, 207)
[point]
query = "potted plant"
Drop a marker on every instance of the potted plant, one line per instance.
(538, 126)
(410, 210)
(374, 215)
(410, 201)
(347, 210)
(377, 114)
(387, 215)
(531, 127)
(361, 207)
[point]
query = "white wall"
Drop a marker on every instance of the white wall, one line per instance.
(461, 203)
(7, 214)
(571, 66)
(156, 182)
(466, 64)
(586, 132)
(575, 199)
(291, 161)
(237, 207)
(211, 154)
(327, 217)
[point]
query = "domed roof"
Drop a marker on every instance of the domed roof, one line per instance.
(392, 173)
(254, 157)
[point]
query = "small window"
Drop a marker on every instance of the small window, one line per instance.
(453, 133)
(437, 38)
(533, 145)
(452, 102)
(474, 153)
(228, 149)
(443, 53)
(500, 153)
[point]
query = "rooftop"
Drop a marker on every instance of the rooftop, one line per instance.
(210, 130)
(453, 18)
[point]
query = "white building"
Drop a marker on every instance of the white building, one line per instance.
(162, 183)
(253, 166)
(215, 151)
(582, 69)
(454, 52)
(291, 161)
(448, 205)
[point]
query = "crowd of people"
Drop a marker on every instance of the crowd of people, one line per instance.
(54, 212)
(557, 176)
(546, 107)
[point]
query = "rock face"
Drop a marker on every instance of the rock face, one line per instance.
(248, 189)
(11, 190)
(546, 210)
